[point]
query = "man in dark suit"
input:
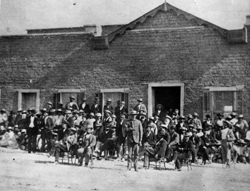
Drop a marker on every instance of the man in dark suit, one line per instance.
(32, 131)
(121, 135)
(84, 106)
(134, 133)
(96, 108)
(120, 109)
(108, 106)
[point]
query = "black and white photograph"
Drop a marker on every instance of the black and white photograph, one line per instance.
(124, 95)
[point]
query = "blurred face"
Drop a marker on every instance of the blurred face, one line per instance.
(122, 117)
(148, 129)
(71, 100)
(156, 117)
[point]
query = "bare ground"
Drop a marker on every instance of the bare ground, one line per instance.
(22, 171)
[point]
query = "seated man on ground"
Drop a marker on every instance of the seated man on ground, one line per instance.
(148, 142)
(87, 147)
(183, 151)
(64, 145)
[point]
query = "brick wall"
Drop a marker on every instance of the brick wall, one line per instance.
(196, 56)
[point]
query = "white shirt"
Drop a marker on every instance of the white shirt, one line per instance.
(32, 118)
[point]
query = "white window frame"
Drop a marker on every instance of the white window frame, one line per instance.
(21, 91)
(233, 89)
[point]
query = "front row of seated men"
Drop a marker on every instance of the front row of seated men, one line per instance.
(170, 141)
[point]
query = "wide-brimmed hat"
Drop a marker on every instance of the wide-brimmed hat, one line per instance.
(182, 117)
(10, 128)
(58, 110)
(109, 100)
(72, 97)
(92, 114)
(133, 112)
(151, 118)
(188, 134)
(159, 105)
(49, 103)
(113, 116)
(43, 110)
(195, 114)
(68, 112)
(194, 130)
(140, 100)
(233, 114)
(108, 111)
(98, 115)
(73, 129)
(191, 125)
(241, 141)
(52, 111)
(241, 116)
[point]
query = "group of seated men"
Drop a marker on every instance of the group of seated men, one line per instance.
(87, 132)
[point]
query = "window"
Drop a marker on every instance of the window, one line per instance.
(62, 95)
(222, 100)
(28, 99)
(114, 95)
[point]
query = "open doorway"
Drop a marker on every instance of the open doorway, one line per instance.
(169, 97)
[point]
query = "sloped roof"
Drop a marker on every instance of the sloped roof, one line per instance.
(165, 7)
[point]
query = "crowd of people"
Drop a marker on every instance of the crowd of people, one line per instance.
(105, 133)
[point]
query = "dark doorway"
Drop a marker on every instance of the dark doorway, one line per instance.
(169, 97)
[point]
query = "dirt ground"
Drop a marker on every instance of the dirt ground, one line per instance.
(22, 171)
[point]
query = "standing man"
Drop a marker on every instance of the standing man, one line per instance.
(140, 106)
(134, 137)
(243, 126)
(49, 106)
(32, 131)
(96, 108)
(84, 106)
(108, 106)
(71, 105)
(196, 121)
(120, 109)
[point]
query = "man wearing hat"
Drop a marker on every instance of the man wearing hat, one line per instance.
(71, 105)
(174, 142)
(49, 106)
(189, 119)
(3, 118)
(65, 144)
(134, 133)
(196, 140)
(148, 142)
(234, 119)
(87, 146)
(207, 121)
(196, 121)
(227, 137)
(96, 107)
(140, 106)
(18, 116)
(143, 118)
(183, 150)
(108, 106)
(84, 106)
(159, 111)
(121, 135)
(219, 121)
(120, 109)
(243, 126)
(181, 124)
(32, 131)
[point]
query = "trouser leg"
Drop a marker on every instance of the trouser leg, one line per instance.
(34, 143)
(130, 149)
(163, 148)
(146, 159)
(136, 155)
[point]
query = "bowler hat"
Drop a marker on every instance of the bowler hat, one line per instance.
(24, 111)
(43, 110)
(123, 102)
(81, 111)
(10, 128)
(109, 100)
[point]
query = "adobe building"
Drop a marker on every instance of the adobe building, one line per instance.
(166, 56)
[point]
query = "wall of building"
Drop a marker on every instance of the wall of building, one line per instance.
(196, 55)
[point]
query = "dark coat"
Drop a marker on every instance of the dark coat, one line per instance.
(96, 109)
(134, 131)
(119, 112)
(85, 108)
(34, 130)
